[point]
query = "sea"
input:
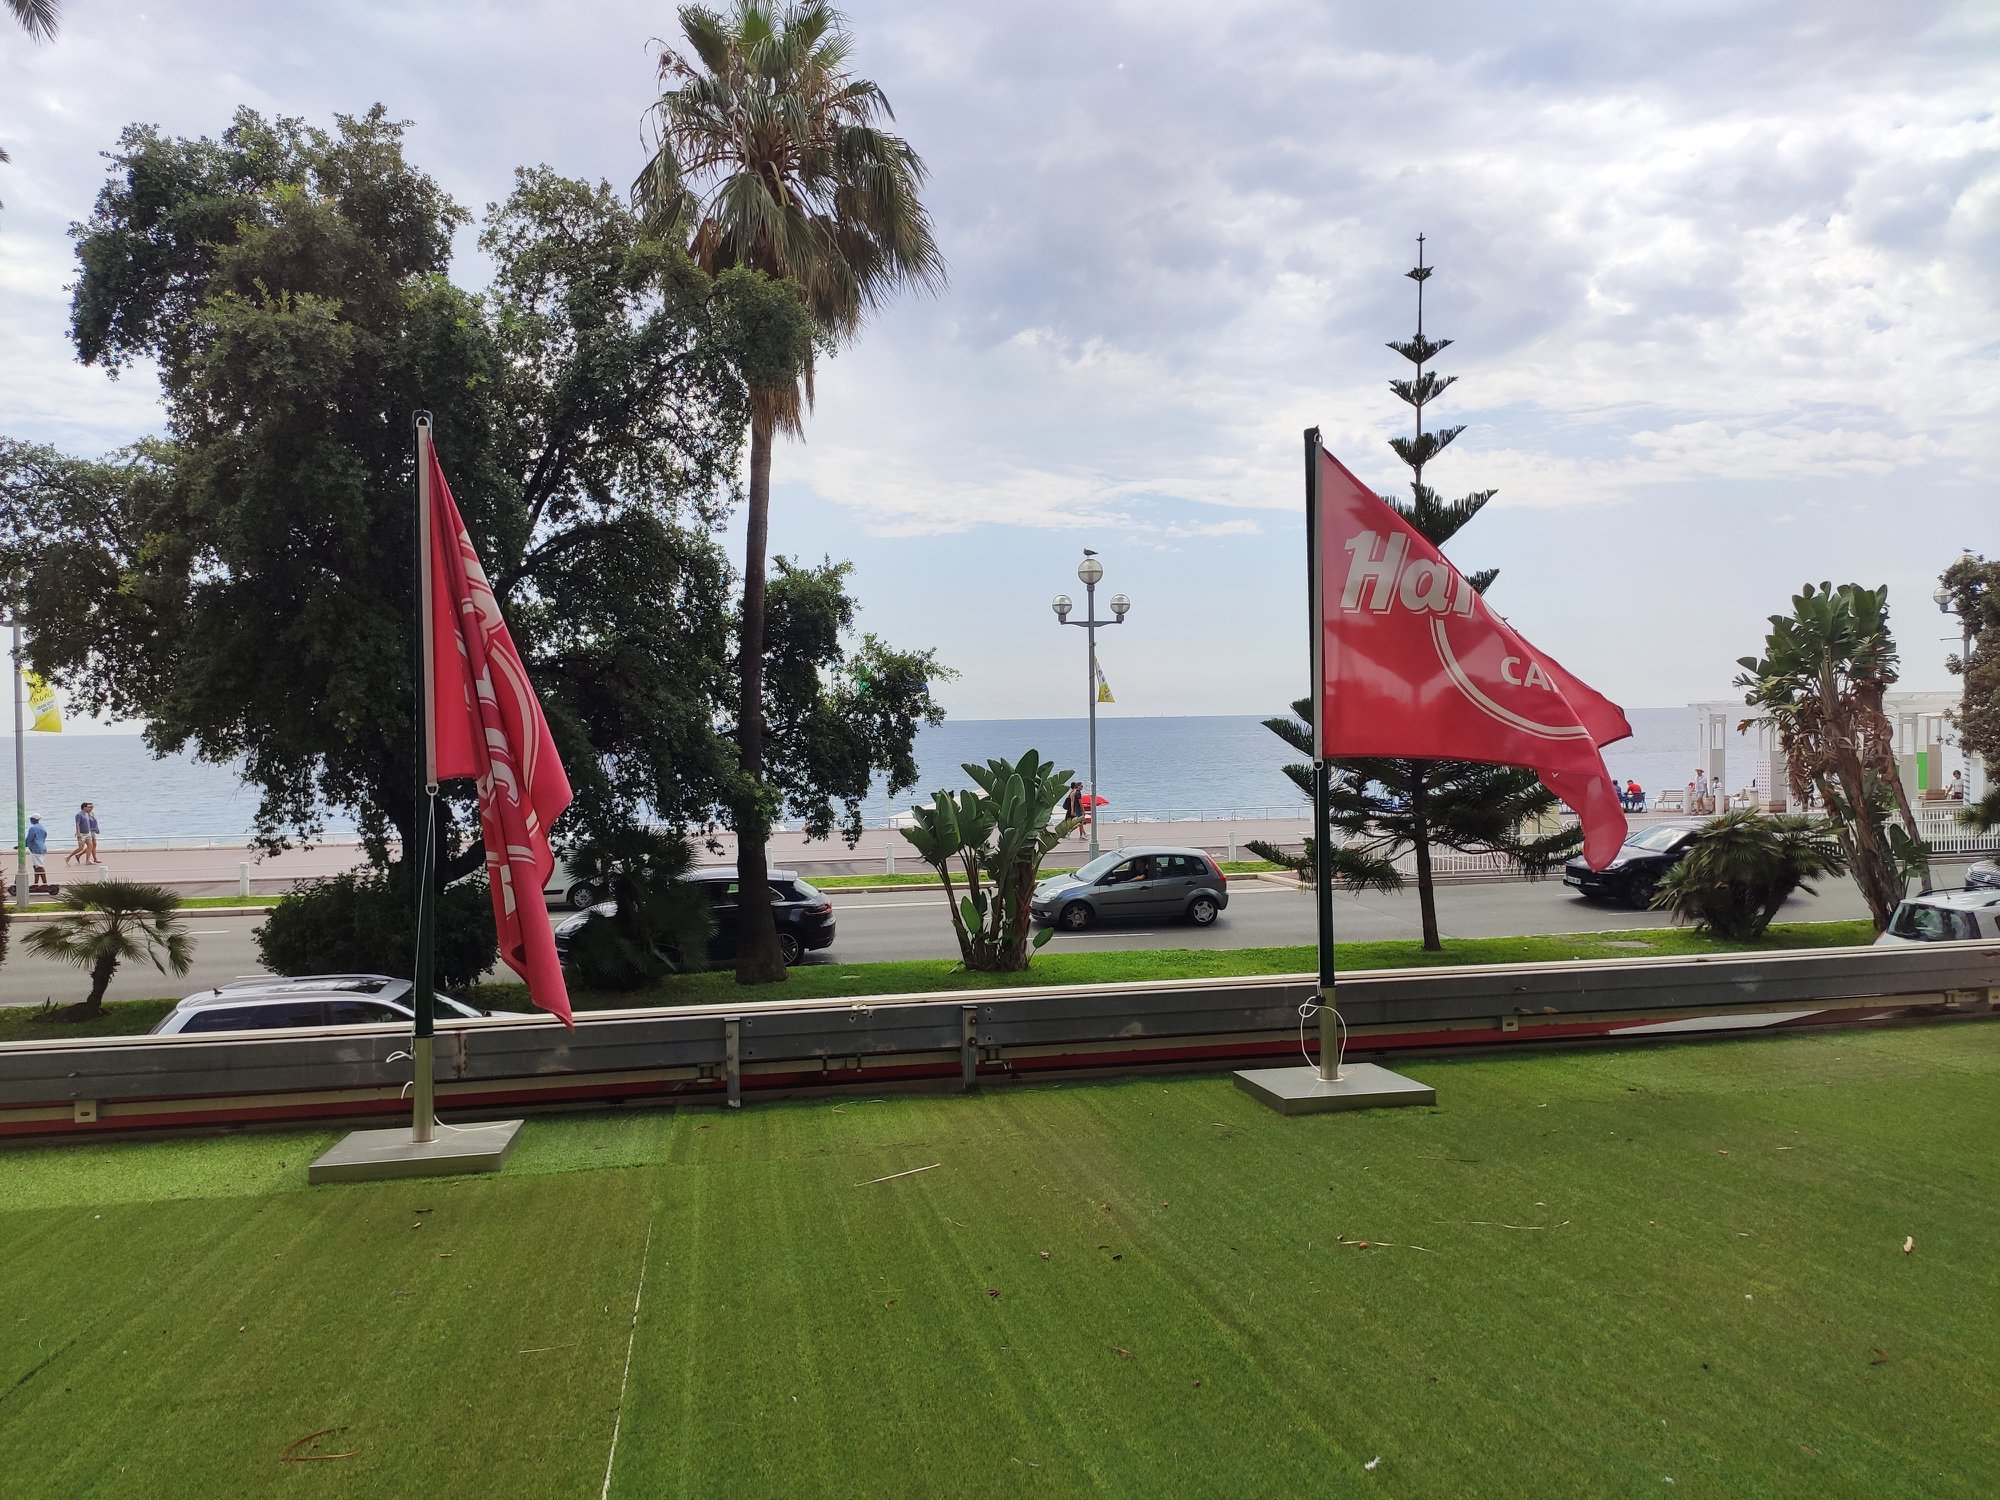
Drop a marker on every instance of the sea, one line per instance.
(1223, 766)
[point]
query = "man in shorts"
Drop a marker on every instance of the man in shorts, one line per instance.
(38, 849)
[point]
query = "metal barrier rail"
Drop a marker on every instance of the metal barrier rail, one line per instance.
(506, 1062)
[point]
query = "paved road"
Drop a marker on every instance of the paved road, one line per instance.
(890, 925)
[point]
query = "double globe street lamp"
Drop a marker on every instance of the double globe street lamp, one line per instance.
(1089, 572)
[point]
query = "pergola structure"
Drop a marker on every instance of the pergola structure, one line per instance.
(1927, 748)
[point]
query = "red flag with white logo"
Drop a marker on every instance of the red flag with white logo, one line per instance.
(1412, 663)
(488, 724)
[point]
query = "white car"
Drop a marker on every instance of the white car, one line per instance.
(564, 886)
(271, 1001)
(1945, 917)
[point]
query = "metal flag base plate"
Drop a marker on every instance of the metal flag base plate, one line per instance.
(378, 1155)
(1301, 1091)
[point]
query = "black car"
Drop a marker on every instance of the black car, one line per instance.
(803, 915)
(1634, 871)
(1984, 876)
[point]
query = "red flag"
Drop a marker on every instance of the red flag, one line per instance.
(1413, 663)
(487, 724)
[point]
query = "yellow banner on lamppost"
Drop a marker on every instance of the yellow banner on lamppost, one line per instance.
(42, 704)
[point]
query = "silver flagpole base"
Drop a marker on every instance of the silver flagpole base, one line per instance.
(379, 1155)
(1301, 1090)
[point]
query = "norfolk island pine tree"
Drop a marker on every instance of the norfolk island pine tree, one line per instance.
(1386, 805)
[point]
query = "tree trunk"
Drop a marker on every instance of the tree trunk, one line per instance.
(100, 981)
(1874, 865)
(757, 958)
(1426, 897)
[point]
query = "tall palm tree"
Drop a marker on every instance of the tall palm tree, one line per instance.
(37, 16)
(109, 922)
(771, 157)
(1820, 684)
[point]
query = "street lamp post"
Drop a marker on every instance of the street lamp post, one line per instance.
(1089, 572)
(1942, 598)
(20, 771)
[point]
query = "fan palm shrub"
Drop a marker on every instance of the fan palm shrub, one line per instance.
(659, 924)
(106, 923)
(1742, 867)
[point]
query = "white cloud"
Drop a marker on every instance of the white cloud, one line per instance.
(1683, 249)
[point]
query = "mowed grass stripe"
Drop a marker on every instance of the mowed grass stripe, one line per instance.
(1192, 1237)
(214, 1333)
(1540, 1360)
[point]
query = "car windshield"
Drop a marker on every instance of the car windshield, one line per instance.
(1099, 866)
(1655, 840)
(1921, 923)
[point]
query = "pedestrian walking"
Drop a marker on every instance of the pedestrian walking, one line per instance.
(85, 852)
(1073, 803)
(1701, 792)
(38, 849)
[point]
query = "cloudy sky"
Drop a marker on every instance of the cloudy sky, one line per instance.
(1721, 279)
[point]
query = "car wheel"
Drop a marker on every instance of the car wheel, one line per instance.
(1075, 917)
(1202, 910)
(580, 896)
(790, 949)
(1639, 891)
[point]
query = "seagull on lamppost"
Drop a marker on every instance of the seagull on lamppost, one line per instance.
(1089, 552)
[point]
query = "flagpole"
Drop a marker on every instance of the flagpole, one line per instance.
(423, 1063)
(1324, 1085)
(1329, 1026)
(20, 778)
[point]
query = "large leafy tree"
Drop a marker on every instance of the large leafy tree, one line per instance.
(1820, 683)
(771, 156)
(243, 585)
(1382, 807)
(1972, 588)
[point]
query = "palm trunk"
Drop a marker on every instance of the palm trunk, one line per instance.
(100, 981)
(757, 958)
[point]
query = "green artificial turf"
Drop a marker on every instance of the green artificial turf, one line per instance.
(1584, 1273)
(816, 980)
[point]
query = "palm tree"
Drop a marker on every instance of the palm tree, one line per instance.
(770, 158)
(37, 16)
(1821, 682)
(1742, 867)
(109, 922)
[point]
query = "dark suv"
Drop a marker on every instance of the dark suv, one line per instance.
(803, 915)
(1636, 869)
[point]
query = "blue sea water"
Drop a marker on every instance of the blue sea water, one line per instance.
(1224, 766)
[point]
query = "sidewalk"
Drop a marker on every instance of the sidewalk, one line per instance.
(222, 871)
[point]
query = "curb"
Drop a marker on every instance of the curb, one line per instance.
(186, 911)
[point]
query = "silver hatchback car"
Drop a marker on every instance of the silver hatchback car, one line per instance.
(271, 1002)
(1152, 884)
